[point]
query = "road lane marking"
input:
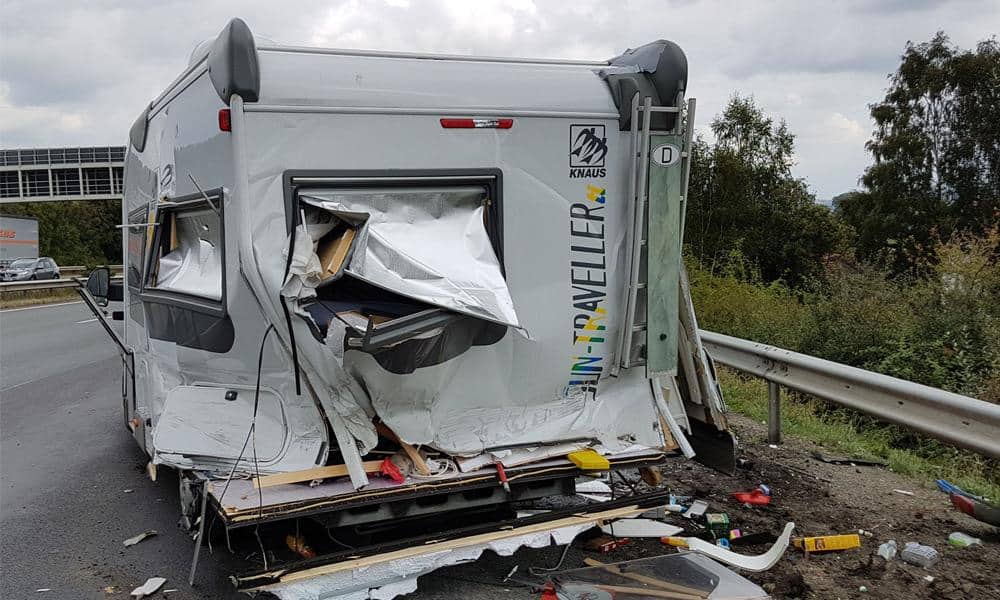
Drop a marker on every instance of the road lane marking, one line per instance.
(9, 310)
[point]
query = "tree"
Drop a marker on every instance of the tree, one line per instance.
(936, 150)
(78, 232)
(744, 199)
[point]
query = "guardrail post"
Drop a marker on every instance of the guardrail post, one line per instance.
(773, 413)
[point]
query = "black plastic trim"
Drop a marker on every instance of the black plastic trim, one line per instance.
(232, 63)
(137, 133)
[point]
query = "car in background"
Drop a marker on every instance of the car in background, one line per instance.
(29, 269)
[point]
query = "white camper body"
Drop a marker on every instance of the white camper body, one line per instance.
(485, 213)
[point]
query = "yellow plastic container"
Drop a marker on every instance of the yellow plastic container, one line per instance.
(589, 460)
(826, 543)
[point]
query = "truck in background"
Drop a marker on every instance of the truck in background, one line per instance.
(18, 238)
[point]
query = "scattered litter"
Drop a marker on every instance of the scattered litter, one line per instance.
(929, 578)
(682, 576)
(865, 533)
(828, 543)
(43, 590)
(862, 589)
(919, 555)
(127, 491)
(718, 524)
(510, 573)
(589, 460)
(640, 528)
(697, 508)
(844, 460)
(756, 497)
(595, 497)
(773, 446)
(592, 486)
(149, 588)
(904, 492)
(605, 543)
(111, 589)
(132, 541)
(658, 513)
(722, 543)
(977, 509)
(757, 563)
(170, 591)
(678, 542)
(735, 533)
(674, 508)
(298, 545)
(957, 538)
(887, 550)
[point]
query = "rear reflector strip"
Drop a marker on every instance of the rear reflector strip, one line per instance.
(225, 122)
(477, 123)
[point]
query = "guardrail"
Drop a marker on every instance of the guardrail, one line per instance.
(69, 275)
(960, 420)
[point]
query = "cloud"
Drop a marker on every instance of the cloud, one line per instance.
(80, 73)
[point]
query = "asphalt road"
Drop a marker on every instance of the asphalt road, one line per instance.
(73, 487)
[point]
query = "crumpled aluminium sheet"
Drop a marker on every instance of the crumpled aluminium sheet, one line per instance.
(429, 244)
(195, 266)
(389, 580)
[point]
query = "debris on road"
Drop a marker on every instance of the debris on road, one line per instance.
(919, 555)
(40, 590)
(904, 492)
(149, 588)
(828, 543)
(755, 498)
(887, 550)
(848, 461)
(132, 541)
(697, 508)
(685, 576)
(757, 563)
(957, 538)
(640, 528)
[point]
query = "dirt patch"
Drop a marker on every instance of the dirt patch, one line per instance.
(824, 499)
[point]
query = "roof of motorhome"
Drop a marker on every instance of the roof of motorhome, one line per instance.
(296, 78)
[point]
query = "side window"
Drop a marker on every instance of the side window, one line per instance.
(188, 253)
(136, 247)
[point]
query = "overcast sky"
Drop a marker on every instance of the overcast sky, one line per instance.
(78, 73)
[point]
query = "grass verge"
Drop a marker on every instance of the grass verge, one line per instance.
(33, 297)
(849, 433)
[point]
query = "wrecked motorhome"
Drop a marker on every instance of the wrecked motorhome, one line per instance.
(373, 290)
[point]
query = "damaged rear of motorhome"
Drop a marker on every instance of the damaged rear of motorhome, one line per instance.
(394, 295)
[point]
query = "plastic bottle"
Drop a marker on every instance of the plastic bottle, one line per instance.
(887, 550)
(919, 555)
(963, 539)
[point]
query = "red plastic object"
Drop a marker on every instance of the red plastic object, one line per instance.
(390, 470)
(502, 476)
(756, 497)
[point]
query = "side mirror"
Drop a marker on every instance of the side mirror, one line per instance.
(98, 283)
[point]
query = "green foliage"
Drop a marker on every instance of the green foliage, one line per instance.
(743, 199)
(76, 233)
(936, 148)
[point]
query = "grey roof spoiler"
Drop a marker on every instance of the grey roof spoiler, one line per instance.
(232, 63)
(658, 70)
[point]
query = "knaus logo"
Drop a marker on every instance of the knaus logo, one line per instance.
(588, 146)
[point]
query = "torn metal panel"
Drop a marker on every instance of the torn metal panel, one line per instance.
(385, 581)
(194, 265)
(425, 243)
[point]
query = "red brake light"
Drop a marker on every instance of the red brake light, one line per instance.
(225, 122)
(477, 123)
